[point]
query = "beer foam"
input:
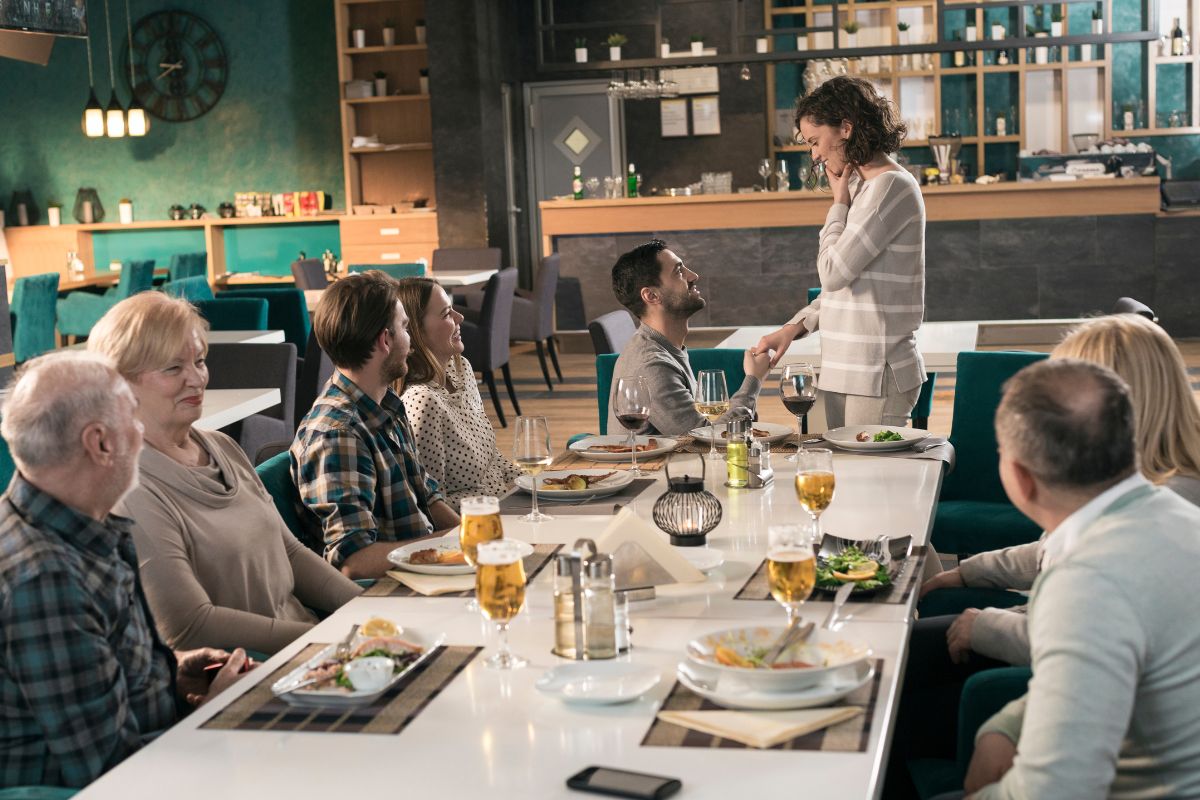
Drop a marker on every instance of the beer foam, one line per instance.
(790, 554)
(479, 506)
(497, 553)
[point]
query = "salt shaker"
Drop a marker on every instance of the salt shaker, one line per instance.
(599, 609)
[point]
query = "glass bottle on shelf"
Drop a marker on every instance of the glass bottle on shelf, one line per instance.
(1177, 46)
(577, 182)
(632, 182)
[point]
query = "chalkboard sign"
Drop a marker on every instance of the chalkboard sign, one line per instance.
(59, 17)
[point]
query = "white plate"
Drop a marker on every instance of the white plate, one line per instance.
(665, 445)
(777, 433)
(735, 694)
(702, 558)
(342, 699)
(598, 683)
(400, 555)
(610, 485)
(846, 438)
(826, 650)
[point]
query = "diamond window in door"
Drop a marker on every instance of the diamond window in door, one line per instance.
(577, 140)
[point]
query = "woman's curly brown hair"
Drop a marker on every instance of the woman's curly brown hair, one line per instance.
(875, 126)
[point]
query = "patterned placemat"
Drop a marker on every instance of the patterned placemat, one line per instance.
(850, 736)
(535, 562)
(572, 460)
(756, 587)
(260, 710)
(786, 447)
(519, 502)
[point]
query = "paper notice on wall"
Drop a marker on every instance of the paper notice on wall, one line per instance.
(785, 126)
(696, 80)
(706, 116)
(674, 118)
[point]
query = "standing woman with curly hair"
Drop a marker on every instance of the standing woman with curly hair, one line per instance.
(871, 260)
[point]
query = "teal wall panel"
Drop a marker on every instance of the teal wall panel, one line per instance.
(157, 244)
(275, 129)
(271, 249)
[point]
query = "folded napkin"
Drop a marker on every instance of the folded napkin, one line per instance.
(432, 585)
(761, 728)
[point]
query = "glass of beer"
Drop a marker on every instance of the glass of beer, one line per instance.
(631, 404)
(814, 483)
(791, 565)
(798, 390)
(712, 401)
(531, 453)
(500, 589)
(480, 523)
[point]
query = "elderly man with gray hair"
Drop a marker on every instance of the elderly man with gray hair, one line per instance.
(1112, 708)
(84, 678)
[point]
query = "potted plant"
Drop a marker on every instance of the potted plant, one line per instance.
(972, 33)
(419, 31)
(581, 50)
(851, 29)
(902, 32)
(54, 214)
(380, 83)
(423, 80)
(697, 45)
(389, 33)
(615, 41)
(1041, 55)
(1056, 21)
(1097, 20)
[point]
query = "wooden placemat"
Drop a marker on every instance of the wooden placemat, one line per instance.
(519, 502)
(850, 736)
(756, 587)
(260, 710)
(535, 562)
(572, 460)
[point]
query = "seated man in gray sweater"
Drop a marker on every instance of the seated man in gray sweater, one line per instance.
(653, 283)
(1111, 708)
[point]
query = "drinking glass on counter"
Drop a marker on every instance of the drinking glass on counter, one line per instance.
(791, 565)
(764, 172)
(531, 453)
(631, 403)
(798, 389)
(480, 522)
(712, 400)
(815, 483)
(500, 589)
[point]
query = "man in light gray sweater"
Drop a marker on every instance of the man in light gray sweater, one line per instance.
(653, 283)
(1111, 709)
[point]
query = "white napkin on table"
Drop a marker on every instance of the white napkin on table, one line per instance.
(432, 585)
(629, 527)
(761, 728)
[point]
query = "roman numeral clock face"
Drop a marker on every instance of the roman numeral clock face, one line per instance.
(179, 65)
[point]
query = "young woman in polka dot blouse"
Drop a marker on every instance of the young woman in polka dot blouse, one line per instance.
(455, 440)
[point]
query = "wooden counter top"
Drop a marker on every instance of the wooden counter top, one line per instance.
(971, 201)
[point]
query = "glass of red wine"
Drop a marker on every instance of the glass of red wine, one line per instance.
(798, 388)
(631, 403)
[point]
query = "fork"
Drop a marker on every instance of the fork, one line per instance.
(343, 648)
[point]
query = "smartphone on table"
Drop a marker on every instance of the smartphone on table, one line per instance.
(622, 783)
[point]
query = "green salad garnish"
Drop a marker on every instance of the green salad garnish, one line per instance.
(887, 436)
(847, 561)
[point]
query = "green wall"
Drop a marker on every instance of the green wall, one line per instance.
(275, 129)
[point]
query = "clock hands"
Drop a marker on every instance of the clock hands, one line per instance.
(169, 68)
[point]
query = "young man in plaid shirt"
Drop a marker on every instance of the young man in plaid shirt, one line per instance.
(354, 459)
(84, 678)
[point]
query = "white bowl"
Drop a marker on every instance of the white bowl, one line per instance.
(598, 682)
(824, 650)
(369, 674)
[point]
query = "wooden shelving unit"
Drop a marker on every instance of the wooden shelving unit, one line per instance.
(1155, 120)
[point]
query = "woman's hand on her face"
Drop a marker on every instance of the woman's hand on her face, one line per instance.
(839, 183)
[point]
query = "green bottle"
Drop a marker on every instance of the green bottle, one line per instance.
(632, 188)
(577, 182)
(737, 453)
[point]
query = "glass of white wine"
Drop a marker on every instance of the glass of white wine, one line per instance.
(815, 483)
(791, 565)
(531, 452)
(631, 403)
(712, 401)
(500, 589)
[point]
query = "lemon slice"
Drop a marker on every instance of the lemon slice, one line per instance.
(863, 572)
(377, 626)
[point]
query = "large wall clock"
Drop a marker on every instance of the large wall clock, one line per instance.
(179, 65)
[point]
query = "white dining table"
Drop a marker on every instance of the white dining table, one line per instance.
(491, 734)
(226, 406)
(225, 337)
(462, 277)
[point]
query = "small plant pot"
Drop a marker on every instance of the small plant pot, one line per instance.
(389, 37)
(1097, 26)
(423, 83)
(55, 216)
(971, 34)
(1085, 52)
(614, 54)
(580, 55)
(760, 44)
(902, 37)
(697, 48)
(664, 50)
(1056, 29)
(997, 32)
(381, 87)
(358, 37)
(1041, 55)
(802, 43)
(851, 40)
(125, 213)
(419, 34)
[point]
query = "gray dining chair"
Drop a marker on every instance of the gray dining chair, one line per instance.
(533, 316)
(309, 274)
(257, 366)
(612, 331)
(1128, 305)
(316, 370)
(485, 343)
(466, 297)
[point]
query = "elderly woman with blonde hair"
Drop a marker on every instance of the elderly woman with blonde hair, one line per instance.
(219, 566)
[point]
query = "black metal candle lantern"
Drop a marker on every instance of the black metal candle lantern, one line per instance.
(687, 511)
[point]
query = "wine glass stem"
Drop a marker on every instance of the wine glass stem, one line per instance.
(712, 442)
(534, 512)
(502, 633)
(633, 450)
(799, 432)
(793, 611)
(817, 527)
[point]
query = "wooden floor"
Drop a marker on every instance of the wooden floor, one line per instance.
(571, 407)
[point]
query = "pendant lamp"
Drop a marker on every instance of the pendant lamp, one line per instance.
(137, 118)
(93, 115)
(114, 115)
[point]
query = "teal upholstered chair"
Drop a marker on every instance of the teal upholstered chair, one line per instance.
(973, 512)
(983, 694)
(79, 311)
(190, 289)
(286, 311)
(7, 466)
(727, 359)
(276, 475)
(240, 314)
(33, 315)
(188, 265)
(37, 793)
(946, 602)
(924, 405)
(411, 270)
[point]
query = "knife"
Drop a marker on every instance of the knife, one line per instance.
(839, 600)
